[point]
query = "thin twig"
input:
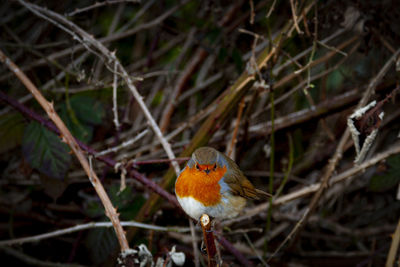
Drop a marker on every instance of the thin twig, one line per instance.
(115, 106)
(252, 15)
(393, 247)
(271, 9)
(228, 246)
(303, 115)
(235, 131)
(312, 78)
(67, 137)
(123, 145)
(157, 161)
(99, 4)
(86, 226)
(86, 40)
(307, 190)
(183, 78)
(277, 69)
(35, 262)
(260, 258)
(271, 164)
(296, 25)
(332, 48)
(289, 169)
(336, 157)
(194, 244)
(104, 40)
(108, 161)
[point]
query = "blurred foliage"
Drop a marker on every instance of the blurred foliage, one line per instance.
(11, 131)
(389, 178)
(80, 114)
(101, 242)
(43, 188)
(126, 201)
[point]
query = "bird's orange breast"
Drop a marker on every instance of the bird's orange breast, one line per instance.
(199, 185)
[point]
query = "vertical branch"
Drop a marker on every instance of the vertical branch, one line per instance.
(194, 244)
(393, 247)
(235, 131)
(182, 81)
(290, 164)
(209, 240)
(115, 106)
(67, 137)
(271, 164)
(296, 25)
(272, 141)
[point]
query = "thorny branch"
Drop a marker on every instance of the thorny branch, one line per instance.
(187, 67)
(110, 162)
(67, 137)
(87, 40)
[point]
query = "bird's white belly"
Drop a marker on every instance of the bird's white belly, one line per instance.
(225, 210)
(192, 207)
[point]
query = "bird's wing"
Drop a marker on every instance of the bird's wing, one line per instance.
(238, 183)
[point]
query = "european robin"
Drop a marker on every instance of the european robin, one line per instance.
(212, 183)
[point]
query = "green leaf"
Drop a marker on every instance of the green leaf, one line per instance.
(87, 109)
(54, 188)
(94, 209)
(44, 151)
(335, 79)
(222, 54)
(127, 203)
(237, 59)
(171, 55)
(101, 242)
(85, 112)
(11, 131)
(213, 35)
(157, 99)
(388, 179)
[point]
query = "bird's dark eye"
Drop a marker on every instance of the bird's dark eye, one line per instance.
(197, 166)
(215, 166)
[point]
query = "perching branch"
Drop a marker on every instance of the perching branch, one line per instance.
(208, 238)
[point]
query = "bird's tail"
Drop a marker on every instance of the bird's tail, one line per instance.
(262, 194)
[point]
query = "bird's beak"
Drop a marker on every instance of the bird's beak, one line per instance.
(207, 171)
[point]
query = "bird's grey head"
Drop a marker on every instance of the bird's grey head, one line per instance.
(205, 155)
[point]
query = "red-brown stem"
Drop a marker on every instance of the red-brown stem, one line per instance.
(228, 246)
(108, 161)
(67, 137)
(209, 239)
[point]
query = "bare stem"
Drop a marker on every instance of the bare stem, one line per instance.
(96, 47)
(90, 225)
(67, 137)
(209, 241)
